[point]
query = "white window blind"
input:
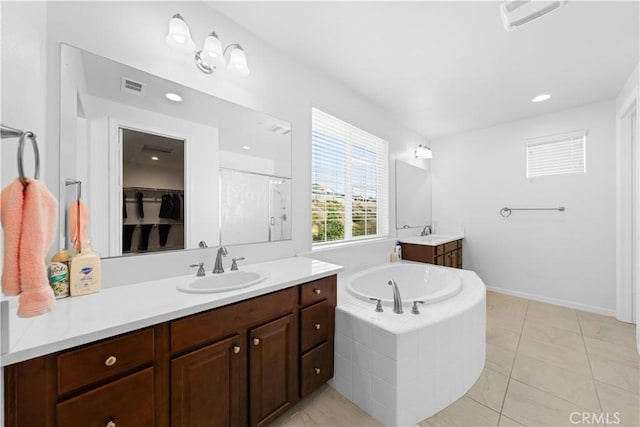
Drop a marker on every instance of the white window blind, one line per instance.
(349, 179)
(556, 154)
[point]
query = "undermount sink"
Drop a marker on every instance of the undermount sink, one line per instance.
(223, 282)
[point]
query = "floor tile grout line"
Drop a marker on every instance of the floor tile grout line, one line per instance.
(593, 377)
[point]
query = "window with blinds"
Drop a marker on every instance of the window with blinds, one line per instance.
(349, 181)
(556, 154)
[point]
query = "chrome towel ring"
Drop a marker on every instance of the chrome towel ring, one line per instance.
(36, 153)
(9, 132)
(506, 212)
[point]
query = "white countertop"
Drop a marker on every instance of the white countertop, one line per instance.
(115, 310)
(431, 240)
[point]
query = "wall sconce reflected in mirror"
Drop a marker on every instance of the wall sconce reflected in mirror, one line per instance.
(423, 152)
(212, 55)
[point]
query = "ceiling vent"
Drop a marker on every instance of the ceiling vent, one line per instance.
(516, 13)
(131, 86)
(156, 149)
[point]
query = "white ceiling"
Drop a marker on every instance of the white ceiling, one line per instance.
(445, 67)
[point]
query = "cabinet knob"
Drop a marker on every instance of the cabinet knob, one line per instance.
(111, 360)
(317, 291)
(256, 341)
(316, 326)
(236, 349)
(317, 370)
(110, 424)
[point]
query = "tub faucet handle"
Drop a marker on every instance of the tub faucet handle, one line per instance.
(415, 310)
(378, 305)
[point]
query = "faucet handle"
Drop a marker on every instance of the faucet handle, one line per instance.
(200, 266)
(234, 264)
(378, 305)
(415, 310)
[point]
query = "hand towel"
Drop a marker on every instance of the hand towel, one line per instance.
(12, 208)
(29, 220)
(40, 221)
(78, 219)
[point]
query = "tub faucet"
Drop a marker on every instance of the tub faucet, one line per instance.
(426, 230)
(217, 268)
(397, 299)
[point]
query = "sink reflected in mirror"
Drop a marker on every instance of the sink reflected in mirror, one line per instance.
(223, 282)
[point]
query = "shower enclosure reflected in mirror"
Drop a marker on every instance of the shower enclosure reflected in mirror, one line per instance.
(100, 97)
(254, 206)
(413, 195)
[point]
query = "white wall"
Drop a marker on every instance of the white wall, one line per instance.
(566, 258)
(133, 33)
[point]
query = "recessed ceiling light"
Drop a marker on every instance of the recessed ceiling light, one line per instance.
(541, 98)
(173, 97)
(154, 158)
(246, 147)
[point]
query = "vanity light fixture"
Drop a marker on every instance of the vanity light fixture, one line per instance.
(540, 98)
(212, 54)
(173, 97)
(423, 152)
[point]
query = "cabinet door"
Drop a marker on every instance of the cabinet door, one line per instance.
(272, 370)
(447, 260)
(454, 258)
(206, 386)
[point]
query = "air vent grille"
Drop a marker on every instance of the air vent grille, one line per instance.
(132, 86)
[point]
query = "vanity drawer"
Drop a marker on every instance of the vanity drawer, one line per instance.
(318, 290)
(127, 402)
(316, 368)
(105, 359)
(439, 250)
(315, 325)
(451, 246)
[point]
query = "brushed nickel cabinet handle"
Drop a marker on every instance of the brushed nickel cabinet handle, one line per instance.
(317, 370)
(111, 360)
(317, 291)
(316, 326)
(236, 349)
(256, 341)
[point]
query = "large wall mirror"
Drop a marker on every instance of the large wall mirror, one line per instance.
(163, 166)
(413, 195)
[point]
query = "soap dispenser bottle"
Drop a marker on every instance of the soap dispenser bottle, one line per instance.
(86, 271)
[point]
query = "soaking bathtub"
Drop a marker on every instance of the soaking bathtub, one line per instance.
(403, 368)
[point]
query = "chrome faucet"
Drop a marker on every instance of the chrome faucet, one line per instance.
(426, 230)
(397, 299)
(217, 268)
(234, 263)
(200, 266)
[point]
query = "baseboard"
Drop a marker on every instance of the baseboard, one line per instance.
(555, 301)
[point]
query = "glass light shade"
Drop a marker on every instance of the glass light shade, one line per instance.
(179, 34)
(212, 50)
(238, 62)
(423, 152)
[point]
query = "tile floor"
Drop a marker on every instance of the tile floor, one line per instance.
(544, 363)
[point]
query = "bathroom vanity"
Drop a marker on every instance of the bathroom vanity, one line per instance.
(244, 363)
(446, 251)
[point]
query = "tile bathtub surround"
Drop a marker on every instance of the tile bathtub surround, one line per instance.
(525, 386)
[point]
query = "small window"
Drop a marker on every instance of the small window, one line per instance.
(556, 154)
(349, 181)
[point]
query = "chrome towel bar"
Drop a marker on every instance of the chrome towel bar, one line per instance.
(506, 212)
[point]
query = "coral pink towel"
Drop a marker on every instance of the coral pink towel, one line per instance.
(29, 220)
(78, 219)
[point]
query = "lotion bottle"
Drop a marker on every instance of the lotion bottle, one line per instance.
(85, 271)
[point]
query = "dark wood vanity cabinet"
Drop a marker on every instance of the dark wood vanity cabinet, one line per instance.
(448, 254)
(242, 364)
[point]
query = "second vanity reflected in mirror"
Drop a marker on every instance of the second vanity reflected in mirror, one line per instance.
(164, 166)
